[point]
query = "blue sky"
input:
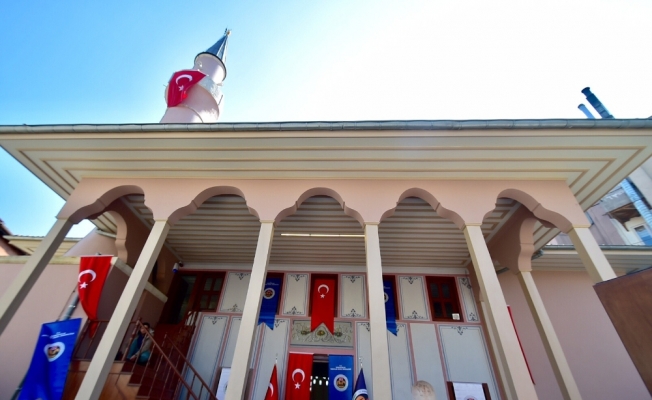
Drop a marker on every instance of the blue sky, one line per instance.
(108, 62)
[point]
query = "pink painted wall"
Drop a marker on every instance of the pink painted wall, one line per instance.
(91, 244)
(597, 358)
(44, 303)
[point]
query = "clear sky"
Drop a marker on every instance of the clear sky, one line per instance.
(108, 62)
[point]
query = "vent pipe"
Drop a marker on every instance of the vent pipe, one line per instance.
(597, 104)
(586, 111)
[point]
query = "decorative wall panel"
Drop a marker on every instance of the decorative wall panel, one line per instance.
(353, 298)
(363, 350)
(207, 346)
(301, 335)
(466, 292)
(295, 294)
(235, 292)
(400, 364)
(412, 294)
(465, 356)
(274, 343)
(427, 359)
(232, 337)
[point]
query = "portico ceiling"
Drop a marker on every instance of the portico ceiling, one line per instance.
(222, 231)
(591, 156)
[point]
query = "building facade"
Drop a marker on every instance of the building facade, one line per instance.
(449, 213)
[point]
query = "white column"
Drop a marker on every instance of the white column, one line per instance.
(516, 373)
(98, 370)
(382, 386)
(594, 260)
(242, 354)
(550, 341)
(491, 330)
(28, 275)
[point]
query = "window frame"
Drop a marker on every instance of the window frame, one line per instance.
(455, 298)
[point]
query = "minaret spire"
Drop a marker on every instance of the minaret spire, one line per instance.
(219, 48)
(195, 95)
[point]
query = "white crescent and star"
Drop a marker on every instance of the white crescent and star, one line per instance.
(323, 295)
(297, 385)
(181, 87)
(86, 272)
(271, 387)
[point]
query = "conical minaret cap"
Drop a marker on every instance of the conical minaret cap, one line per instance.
(219, 48)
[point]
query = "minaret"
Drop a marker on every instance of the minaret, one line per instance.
(197, 95)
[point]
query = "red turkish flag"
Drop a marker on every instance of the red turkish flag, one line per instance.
(297, 384)
(92, 275)
(272, 390)
(323, 304)
(180, 83)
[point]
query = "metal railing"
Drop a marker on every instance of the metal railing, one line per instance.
(162, 375)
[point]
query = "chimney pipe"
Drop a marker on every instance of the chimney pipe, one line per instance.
(597, 104)
(586, 111)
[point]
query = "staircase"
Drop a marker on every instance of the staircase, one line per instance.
(167, 375)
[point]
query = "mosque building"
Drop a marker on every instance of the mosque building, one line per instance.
(412, 247)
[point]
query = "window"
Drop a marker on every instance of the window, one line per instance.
(644, 234)
(444, 300)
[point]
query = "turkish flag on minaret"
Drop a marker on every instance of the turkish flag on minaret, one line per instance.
(297, 384)
(92, 275)
(323, 304)
(180, 83)
(272, 390)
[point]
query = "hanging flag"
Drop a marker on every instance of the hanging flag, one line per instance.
(92, 275)
(180, 83)
(390, 308)
(323, 304)
(360, 392)
(46, 376)
(272, 390)
(297, 383)
(269, 305)
(340, 377)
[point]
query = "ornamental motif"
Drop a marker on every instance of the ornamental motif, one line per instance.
(341, 337)
(241, 275)
(352, 278)
(410, 279)
(297, 277)
(465, 282)
(472, 317)
(278, 322)
(352, 314)
(367, 326)
(461, 329)
(414, 315)
(234, 308)
(293, 311)
(213, 318)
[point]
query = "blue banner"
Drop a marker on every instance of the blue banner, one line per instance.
(46, 377)
(340, 377)
(269, 305)
(390, 308)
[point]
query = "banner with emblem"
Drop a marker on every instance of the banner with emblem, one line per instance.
(269, 305)
(46, 376)
(323, 304)
(390, 306)
(340, 377)
(297, 383)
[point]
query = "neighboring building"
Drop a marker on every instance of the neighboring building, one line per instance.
(449, 213)
(7, 248)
